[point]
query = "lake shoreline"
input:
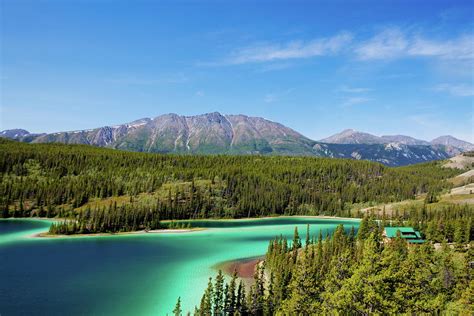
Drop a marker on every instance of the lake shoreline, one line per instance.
(171, 231)
(265, 218)
(139, 232)
(167, 266)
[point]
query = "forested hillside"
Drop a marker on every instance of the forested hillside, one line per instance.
(359, 274)
(109, 190)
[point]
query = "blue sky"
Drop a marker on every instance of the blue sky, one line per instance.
(384, 67)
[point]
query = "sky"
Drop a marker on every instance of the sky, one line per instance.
(383, 67)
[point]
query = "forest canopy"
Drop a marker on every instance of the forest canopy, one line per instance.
(136, 190)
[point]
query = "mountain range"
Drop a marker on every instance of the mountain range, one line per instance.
(350, 136)
(214, 133)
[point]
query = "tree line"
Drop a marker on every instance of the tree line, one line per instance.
(348, 273)
(66, 181)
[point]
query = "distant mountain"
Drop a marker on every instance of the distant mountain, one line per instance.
(214, 133)
(391, 154)
(448, 144)
(14, 133)
(402, 139)
(350, 136)
(452, 145)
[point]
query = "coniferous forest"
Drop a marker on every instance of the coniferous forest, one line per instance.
(100, 190)
(357, 274)
(103, 190)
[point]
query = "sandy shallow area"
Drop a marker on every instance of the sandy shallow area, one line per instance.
(245, 268)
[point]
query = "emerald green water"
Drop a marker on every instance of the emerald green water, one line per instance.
(128, 274)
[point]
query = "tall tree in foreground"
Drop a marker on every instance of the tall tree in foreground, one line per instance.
(177, 311)
(343, 275)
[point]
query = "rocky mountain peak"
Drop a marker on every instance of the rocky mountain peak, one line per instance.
(351, 136)
(215, 133)
(14, 133)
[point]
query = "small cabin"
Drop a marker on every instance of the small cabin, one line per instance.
(408, 233)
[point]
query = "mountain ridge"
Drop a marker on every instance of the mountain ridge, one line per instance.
(215, 133)
(351, 136)
(452, 145)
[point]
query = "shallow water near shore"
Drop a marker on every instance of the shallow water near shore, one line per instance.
(137, 274)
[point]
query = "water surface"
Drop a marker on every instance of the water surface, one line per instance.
(127, 274)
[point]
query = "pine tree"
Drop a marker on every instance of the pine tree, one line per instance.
(219, 294)
(361, 293)
(231, 295)
(177, 311)
(308, 236)
(240, 302)
(270, 300)
(296, 244)
(205, 308)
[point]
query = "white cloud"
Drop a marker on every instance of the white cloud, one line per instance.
(291, 50)
(390, 43)
(355, 100)
(143, 81)
(347, 89)
(270, 98)
(273, 97)
(394, 43)
(459, 90)
(200, 93)
(274, 67)
(423, 120)
(461, 48)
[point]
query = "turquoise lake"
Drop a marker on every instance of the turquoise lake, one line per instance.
(137, 274)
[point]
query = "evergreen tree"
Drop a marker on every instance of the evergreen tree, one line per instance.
(219, 294)
(177, 309)
(308, 236)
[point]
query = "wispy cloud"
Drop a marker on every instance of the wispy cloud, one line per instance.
(272, 52)
(274, 97)
(354, 95)
(388, 44)
(424, 120)
(461, 48)
(274, 67)
(459, 90)
(270, 98)
(355, 101)
(347, 89)
(146, 81)
(200, 93)
(394, 43)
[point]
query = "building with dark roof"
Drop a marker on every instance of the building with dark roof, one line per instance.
(408, 233)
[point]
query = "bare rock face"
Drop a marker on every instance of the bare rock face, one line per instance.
(208, 133)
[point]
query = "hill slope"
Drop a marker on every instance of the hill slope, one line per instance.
(67, 180)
